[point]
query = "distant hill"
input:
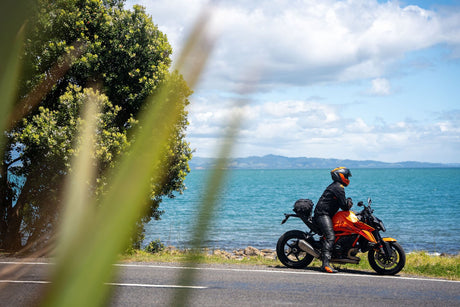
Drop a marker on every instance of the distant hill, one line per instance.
(280, 162)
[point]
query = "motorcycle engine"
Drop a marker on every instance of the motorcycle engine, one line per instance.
(343, 245)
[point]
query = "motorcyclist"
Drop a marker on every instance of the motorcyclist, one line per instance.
(329, 203)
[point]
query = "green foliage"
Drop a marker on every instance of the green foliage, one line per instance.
(424, 264)
(119, 58)
(123, 50)
(419, 263)
(47, 142)
(154, 246)
(53, 132)
(106, 232)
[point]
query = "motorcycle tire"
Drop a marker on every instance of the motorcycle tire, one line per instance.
(289, 252)
(388, 265)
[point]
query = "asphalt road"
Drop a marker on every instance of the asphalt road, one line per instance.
(223, 285)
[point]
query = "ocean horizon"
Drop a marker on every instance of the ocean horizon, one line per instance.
(282, 162)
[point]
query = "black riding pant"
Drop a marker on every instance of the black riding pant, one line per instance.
(324, 222)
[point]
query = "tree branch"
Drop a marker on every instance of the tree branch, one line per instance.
(12, 162)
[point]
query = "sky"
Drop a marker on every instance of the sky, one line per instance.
(352, 79)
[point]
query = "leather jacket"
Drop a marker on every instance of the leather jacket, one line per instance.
(332, 200)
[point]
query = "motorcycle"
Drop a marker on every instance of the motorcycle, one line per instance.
(355, 232)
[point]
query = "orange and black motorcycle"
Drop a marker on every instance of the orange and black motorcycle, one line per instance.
(354, 233)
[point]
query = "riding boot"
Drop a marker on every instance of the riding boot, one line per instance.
(325, 224)
(327, 267)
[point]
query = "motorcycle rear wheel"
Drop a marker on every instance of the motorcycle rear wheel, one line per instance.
(388, 265)
(289, 252)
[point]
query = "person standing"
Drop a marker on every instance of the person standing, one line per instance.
(332, 199)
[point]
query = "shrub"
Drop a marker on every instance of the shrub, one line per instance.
(154, 246)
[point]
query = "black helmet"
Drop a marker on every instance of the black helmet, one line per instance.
(341, 174)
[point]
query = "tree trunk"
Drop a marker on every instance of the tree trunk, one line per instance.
(5, 204)
(12, 237)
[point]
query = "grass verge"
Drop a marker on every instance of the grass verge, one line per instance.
(417, 263)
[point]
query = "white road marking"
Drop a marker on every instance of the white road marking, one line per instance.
(288, 272)
(155, 286)
(255, 271)
(20, 262)
(25, 281)
(109, 284)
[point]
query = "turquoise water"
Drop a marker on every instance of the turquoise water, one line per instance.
(419, 207)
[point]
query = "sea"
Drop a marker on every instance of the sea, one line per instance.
(419, 207)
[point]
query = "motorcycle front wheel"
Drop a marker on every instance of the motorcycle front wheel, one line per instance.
(289, 252)
(390, 265)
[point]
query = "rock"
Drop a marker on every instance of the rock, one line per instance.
(239, 253)
(251, 251)
(225, 254)
(171, 248)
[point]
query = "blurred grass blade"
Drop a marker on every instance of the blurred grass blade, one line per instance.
(8, 82)
(57, 71)
(13, 17)
(205, 214)
(208, 205)
(196, 51)
(87, 261)
(78, 209)
(196, 46)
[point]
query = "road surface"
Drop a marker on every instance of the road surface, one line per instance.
(240, 285)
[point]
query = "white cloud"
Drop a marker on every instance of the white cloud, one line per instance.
(289, 43)
(381, 87)
(304, 42)
(358, 126)
(173, 17)
(307, 128)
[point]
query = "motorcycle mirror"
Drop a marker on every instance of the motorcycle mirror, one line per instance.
(360, 204)
(369, 201)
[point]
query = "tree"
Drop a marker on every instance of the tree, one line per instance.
(123, 58)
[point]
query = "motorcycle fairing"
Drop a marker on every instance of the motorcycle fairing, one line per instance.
(347, 222)
(368, 235)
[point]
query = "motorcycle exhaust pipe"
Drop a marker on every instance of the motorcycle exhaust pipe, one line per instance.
(306, 247)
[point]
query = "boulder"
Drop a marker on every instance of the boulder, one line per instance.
(251, 251)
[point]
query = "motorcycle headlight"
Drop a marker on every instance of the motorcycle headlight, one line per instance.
(378, 223)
